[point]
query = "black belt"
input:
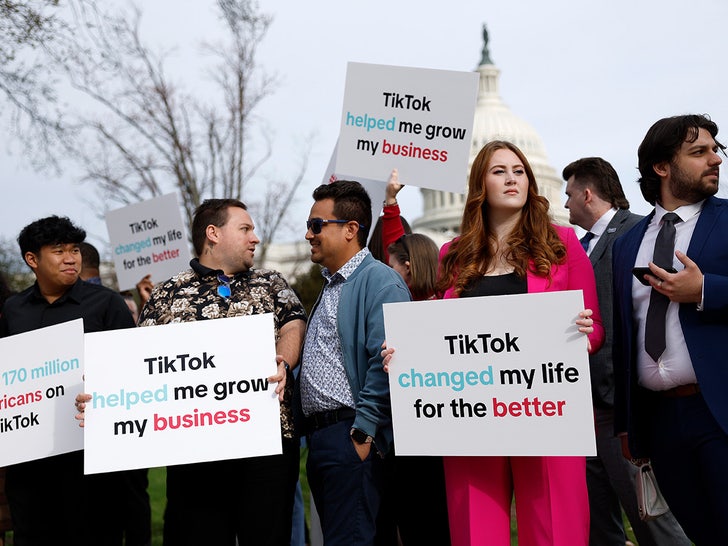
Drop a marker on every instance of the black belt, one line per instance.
(327, 418)
(681, 391)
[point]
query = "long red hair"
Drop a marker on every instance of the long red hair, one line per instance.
(533, 239)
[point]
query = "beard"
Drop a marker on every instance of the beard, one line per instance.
(691, 189)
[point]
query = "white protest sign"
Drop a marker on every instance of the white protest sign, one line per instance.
(181, 393)
(40, 375)
(417, 120)
(496, 375)
(148, 237)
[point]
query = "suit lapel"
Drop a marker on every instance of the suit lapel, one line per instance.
(633, 239)
(706, 222)
(606, 238)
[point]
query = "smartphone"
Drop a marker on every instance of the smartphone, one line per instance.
(640, 272)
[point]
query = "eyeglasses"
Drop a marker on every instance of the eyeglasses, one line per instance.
(224, 289)
(316, 224)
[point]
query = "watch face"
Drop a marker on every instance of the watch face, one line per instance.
(359, 436)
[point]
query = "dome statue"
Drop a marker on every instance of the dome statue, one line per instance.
(442, 211)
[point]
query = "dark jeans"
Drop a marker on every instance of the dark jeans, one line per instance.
(250, 500)
(52, 502)
(346, 490)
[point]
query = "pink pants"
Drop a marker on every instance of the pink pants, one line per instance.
(552, 505)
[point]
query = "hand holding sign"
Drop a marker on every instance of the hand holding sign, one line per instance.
(507, 367)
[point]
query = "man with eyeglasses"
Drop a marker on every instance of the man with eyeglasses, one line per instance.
(344, 390)
(250, 499)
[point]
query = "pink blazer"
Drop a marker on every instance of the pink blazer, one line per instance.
(576, 273)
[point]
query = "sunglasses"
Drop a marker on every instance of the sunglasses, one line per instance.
(316, 224)
(224, 289)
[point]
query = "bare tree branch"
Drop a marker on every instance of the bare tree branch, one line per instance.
(139, 134)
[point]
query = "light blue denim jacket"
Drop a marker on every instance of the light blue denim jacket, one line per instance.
(360, 324)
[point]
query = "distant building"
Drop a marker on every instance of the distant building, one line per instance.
(442, 211)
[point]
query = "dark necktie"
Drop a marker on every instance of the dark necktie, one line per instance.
(663, 255)
(585, 240)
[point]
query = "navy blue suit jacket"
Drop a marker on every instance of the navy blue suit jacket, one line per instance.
(705, 332)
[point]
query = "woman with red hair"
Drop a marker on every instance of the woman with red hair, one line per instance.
(508, 245)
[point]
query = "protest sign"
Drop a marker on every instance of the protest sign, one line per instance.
(148, 238)
(417, 120)
(496, 375)
(181, 393)
(40, 375)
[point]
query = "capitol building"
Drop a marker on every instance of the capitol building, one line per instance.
(493, 121)
(442, 211)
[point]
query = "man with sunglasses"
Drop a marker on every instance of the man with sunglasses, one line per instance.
(344, 390)
(251, 499)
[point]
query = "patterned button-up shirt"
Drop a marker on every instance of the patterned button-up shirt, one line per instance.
(324, 383)
(193, 295)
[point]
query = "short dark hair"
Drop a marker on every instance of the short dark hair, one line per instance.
(351, 202)
(89, 255)
(601, 178)
(52, 230)
(212, 212)
(662, 142)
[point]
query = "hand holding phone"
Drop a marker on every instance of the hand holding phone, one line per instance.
(640, 272)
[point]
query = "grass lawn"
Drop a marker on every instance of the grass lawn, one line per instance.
(157, 478)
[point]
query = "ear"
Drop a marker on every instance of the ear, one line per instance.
(31, 259)
(662, 169)
(212, 233)
(588, 196)
(352, 229)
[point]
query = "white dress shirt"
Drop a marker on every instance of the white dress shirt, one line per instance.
(674, 367)
(599, 228)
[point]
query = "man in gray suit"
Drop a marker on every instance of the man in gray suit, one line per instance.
(596, 203)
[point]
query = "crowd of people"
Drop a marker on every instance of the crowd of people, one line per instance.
(655, 294)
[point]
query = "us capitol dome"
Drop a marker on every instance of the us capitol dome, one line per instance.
(442, 211)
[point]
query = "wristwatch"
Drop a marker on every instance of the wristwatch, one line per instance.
(360, 437)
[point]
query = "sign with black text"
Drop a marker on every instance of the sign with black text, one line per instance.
(40, 375)
(181, 393)
(417, 120)
(495, 375)
(148, 238)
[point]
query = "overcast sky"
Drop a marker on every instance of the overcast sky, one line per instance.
(589, 76)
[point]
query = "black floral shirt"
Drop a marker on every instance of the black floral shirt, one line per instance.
(193, 295)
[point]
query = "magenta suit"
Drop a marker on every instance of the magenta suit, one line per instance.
(551, 496)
